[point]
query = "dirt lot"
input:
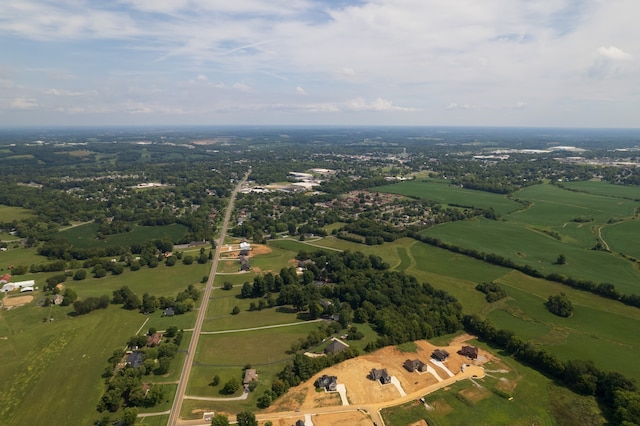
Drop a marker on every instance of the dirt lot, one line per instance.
(336, 419)
(16, 301)
(360, 390)
(256, 249)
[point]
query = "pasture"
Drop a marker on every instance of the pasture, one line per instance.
(85, 236)
(9, 214)
(622, 237)
(448, 194)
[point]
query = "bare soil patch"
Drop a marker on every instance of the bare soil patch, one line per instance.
(507, 385)
(474, 394)
(440, 406)
(17, 301)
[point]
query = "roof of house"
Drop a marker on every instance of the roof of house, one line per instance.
(440, 354)
(470, 351)
(250, 375)
(336, 346)
(413, 364)
(135, 359)
(169, 312)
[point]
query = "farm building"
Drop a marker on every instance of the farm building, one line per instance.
(415, 365)
(5, 278)
(381, 375)
(329, 383)
(20, 284)
(250, 375)
(440, 355)
(469, 351)
(336, 346)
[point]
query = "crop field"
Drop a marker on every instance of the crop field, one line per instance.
(605, 188)
(539, 250)
(84, 236)
(623, 237)
(448, 194)
(553, 206)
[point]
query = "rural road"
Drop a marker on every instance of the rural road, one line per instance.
(372, 409)
(188, 362)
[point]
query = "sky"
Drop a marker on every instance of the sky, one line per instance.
(547, 63)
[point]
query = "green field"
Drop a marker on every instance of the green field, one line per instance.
(84, 236)
(623, 237)
(10, 214)
(605, 188)
(449, 194)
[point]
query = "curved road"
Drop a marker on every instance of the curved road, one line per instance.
(188, 362)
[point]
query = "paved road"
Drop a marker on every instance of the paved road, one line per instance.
(372, 409)
(188, 362)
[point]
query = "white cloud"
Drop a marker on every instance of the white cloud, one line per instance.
(614, 53)
(242, 87)
(23, 103)
(379, 104)
(61, 92)
(201, 77)
(300, 91)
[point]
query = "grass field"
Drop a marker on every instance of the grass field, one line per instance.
(623, 237)
(448, 194)
(605, 188)
(10, 213)
(84, 236)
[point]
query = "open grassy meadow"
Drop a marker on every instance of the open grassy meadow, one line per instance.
(10, 213)
(622, 237)
(84, 236)
(605, 188)
(448, 194)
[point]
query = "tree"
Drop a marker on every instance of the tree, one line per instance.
(246, 418)
(220, 420)
(129, 416)
(80, 275)
(235, 310)
(231, 386)
(561, 260)
(215, 381)
(187, 260)
(559, 305)
(227, 285)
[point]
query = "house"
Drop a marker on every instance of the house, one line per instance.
(5, 278)
(415, 365)
(134, 359)
(469, 351)
(381, 375)
(329, 383)
(440, 355)
(300, 423)
(154, 339)
(169, 312)
(250, 375)
(244, 248)
(244, 263)
(57, 299)
(335, 346)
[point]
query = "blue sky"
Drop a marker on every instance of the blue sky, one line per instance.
(570, 63)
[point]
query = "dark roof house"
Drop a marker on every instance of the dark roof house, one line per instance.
(330, 383)
(415, 365)
(250, 375)
(381, 375)
(469, 351)
(335, 346)
(169, 312)
(440, 355)
(134, 359)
